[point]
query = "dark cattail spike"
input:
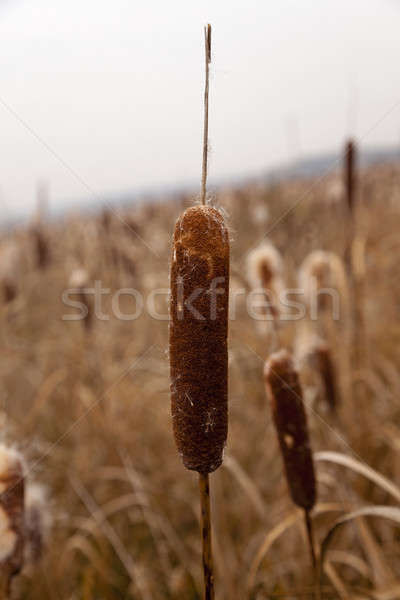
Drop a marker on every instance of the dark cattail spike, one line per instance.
(198, 337)
(42, 248)
(349, 174)
(350, 191)
(286, 397)
(326, 368)
(285, 394)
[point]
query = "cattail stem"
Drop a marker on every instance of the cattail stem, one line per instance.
(310, 537)
(207, 41)
(311, 545)
(208, 572)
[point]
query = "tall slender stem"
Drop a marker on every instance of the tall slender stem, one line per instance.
(311, 543)
(204, 487)
(310, 536)
(207, 41)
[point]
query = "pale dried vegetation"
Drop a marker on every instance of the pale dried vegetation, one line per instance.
(89, 408)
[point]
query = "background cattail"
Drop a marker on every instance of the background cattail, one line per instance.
(37, 522)
(10, 270)
(264, 271)
(321, 358)
(41, 247)
(349, 174)
(321, 273)
(12, 524)
(198, 337)
(285, 394)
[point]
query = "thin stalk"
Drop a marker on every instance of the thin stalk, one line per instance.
(310, 536)
(311, 544)
(207, 41)
(204, 488)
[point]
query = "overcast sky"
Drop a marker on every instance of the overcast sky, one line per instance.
(114, 89)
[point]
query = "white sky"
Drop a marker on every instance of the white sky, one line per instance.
(115, 88)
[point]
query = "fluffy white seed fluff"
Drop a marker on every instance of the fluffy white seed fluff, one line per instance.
(264, 255)
(322, 270)
(264, 273)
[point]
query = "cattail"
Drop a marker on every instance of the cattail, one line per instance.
(349, 174)
(198, 337)
(105, 220)
(12, 524)
(321, 357)
(38, 522)
(198, 340)
(315, 352)
(286, 397)
(264, 268)
(285, 394)
(41, 245)
(10, 270)
(320, 274)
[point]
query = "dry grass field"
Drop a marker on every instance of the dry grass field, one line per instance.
(89, 407)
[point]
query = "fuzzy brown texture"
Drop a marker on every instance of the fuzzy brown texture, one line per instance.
(285, 394)
(349, 173)
(12, 502)
(198, 337)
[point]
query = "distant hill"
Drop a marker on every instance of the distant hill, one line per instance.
(312, 166)
(309, 166)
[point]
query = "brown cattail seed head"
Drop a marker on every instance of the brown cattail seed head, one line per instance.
(11, 511)
(42, 247)
(321, 356)
(264, 269)
(198, 337)
(349, 173)
(285, 394)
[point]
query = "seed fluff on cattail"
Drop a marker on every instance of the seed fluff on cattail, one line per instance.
(264, 270)
(264, 273)
(320, 274)
(286, 398)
